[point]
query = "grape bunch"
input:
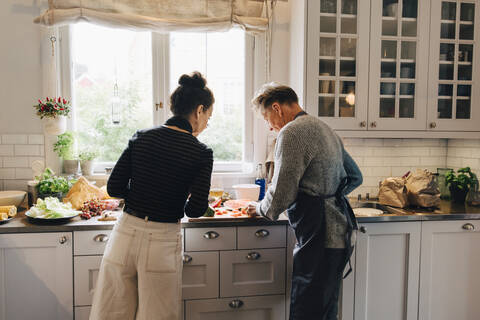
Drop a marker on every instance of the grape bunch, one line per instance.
(92, 208)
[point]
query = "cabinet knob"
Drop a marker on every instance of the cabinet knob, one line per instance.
(211, 235)
(468, 226)
(373, 124)
(158, 106)
(187, 259)
(63, 240)
(363, 124)
(235, 304)
(433, 125)
(262, 233)
(253, 256)
(363, 229)
(101, 238)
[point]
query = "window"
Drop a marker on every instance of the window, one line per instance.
(119, 76)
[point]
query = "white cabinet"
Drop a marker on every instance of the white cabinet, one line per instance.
(387, 271)
(454, 66)
(398, 64)
(200, 275)
(206, 239)
(252, 272)
(86, 269)
(82, 313)
(36, 280)
(240, 308)
(390, 65)
(449, 275)
(337, 62)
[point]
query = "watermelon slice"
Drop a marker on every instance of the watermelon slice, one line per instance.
(237, 204)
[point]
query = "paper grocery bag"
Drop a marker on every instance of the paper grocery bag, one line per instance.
(422, 189)
(393, 192)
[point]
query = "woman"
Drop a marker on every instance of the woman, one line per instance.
(163, 174)
(313, 173)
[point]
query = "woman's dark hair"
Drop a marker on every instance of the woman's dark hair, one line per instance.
(191, 92)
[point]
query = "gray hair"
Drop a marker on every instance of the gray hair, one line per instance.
(270, 93)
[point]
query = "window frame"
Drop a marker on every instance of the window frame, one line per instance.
(160, 96)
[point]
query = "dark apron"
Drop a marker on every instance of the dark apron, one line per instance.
(317, 271)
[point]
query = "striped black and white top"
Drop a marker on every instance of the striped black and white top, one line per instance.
(158, 171)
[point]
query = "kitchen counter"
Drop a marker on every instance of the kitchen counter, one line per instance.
(21, 224)
(447, 211)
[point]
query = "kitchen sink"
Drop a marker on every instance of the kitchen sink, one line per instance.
(378, 206)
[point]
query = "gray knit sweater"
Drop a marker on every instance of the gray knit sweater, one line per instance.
(310, 158)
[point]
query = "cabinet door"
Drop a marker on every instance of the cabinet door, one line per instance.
(86, 274)
(252, 272)
(387, 271)
(200, 275)
(242, 308)
(36, 280)
(346, 301)
(262, 237)
(399, 64)
(449, 273)
(82, 313)
(454, 74)
(209, 239)
(337, 62)
(90, 242)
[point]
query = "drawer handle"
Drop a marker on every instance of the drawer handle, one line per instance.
(468, 226)
(100, 238)
(235, 304)
(253, 256)
(262, 233)
(63, 239)
(187, 258)
(211, 235)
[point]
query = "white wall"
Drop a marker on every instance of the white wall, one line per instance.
(21, 69)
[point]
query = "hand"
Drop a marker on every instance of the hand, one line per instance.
(252, 209)
(195, 133)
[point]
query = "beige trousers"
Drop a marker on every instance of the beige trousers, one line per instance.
(141, 272)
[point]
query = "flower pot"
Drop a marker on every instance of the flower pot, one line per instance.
(70, 166)
(458, 195)
(87, 167)
(54, 126)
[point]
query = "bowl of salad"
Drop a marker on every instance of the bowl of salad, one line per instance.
(51, 210)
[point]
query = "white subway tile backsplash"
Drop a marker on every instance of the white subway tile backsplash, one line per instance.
(24, 173)
(16, 185)
(472, 163)
(352, 142)
(400, 171)
(27, 150)
(392, 142)
(432, 161)
(15, 162)
(32, 159)
(36, 139)
(373, 142)
(373, 161)
(409, 161)
(454, 162)
(6, 150)
(7, 173)
(1, 185)
(14, 139)
(438, 151)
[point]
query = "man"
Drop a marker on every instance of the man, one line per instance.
(313, 173)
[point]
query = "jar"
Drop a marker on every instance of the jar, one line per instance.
(473, 196)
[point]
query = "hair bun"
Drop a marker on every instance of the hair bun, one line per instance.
(195, 80)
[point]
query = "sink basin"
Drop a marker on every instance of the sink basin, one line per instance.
(377, 206)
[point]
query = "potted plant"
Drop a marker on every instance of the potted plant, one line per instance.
(65, 149)
(50, 185)
(460, 183)
(54, 113)
(86, 161)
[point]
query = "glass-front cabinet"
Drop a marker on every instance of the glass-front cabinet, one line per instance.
(337, 62)
(398, 64)
(454, 79)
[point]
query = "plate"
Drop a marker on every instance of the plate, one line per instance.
(367, 212)
(50, 220)
(5, 221)
(236, 204)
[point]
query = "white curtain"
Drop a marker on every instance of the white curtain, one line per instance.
(162, 15)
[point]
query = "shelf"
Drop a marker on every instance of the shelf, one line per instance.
(445, 62)
(388, 96)
(408, 60)
(334, 15)
(349, 16)
(464, 63)
(327, 95)
(448, 21)
(389, 18)
(328, 57)
(445, 97)
(347, 59)
(466, 23)
(388, 60)
(409, 19)
(405, 96)
(463, 98)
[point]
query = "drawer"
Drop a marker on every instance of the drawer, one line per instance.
(82, 313)
(239, 308)
(90, 242)
(209, 239)
(262, 237)
(200, 275)
(85, 278)
(252, 272)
